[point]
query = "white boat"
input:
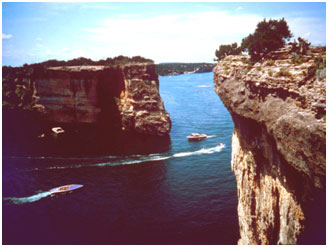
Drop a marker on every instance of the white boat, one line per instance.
(196, 137)
(57, 130)
(66, 188)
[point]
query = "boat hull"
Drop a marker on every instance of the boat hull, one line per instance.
(66, 188)
(195, 139)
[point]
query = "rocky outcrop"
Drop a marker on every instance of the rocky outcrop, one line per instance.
(140, 105)
(127, 96)
(278, 106)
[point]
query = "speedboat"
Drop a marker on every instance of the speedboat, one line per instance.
(66, 188)
(196, 137)
(57, 130)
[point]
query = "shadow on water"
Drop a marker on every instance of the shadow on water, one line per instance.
(21, 136)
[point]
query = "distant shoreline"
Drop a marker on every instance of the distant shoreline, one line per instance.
(166, 69)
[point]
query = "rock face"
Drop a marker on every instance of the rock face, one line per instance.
(141, 106)
(126, 96)
(278, 145)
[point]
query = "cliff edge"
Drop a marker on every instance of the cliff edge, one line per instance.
(278, 106)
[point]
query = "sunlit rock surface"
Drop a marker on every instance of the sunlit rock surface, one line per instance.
(278, 145)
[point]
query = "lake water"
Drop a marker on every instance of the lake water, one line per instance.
(185, 194)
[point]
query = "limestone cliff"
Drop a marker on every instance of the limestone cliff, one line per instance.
(128, 95)
(102, 109)
(278, 106)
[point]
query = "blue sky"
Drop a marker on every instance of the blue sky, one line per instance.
(164, 32)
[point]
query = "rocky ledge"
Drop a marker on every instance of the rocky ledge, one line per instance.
(278, 106)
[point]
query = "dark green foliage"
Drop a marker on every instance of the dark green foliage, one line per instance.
(297, 59)
(19, 96)
(163, 69)
(16, 90)
(320, 62)
(318, 69)
(268, 36)
(226, 50)
(120, 60)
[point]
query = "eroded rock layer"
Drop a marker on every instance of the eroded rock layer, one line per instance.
(278, 145)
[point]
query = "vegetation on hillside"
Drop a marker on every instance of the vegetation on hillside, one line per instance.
(16, 96)
(16, 88)
(119, 60)
(319, 69)
(163, 69)
(226, 50)
(268, 36)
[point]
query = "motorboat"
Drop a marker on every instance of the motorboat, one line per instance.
(196, 137)
(57, 130)
(66, 188)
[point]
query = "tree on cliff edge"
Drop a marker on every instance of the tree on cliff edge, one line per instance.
(268, 36)
(226, 50)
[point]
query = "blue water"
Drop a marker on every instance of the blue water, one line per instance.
(184, 195)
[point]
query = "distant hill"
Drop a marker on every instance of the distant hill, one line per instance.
(163, 69)
(119, 60)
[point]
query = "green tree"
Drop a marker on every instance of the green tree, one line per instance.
(226, 50)
(268, 36)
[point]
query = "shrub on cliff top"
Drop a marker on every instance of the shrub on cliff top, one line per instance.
(268, 36)
(226, 50)
(119, 60)
(319, 69)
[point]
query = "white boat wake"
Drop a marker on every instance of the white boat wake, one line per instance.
(204, 86)
(157, 157)
(134, 159)
(21, 200)
(211, 136)
(37, 197)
